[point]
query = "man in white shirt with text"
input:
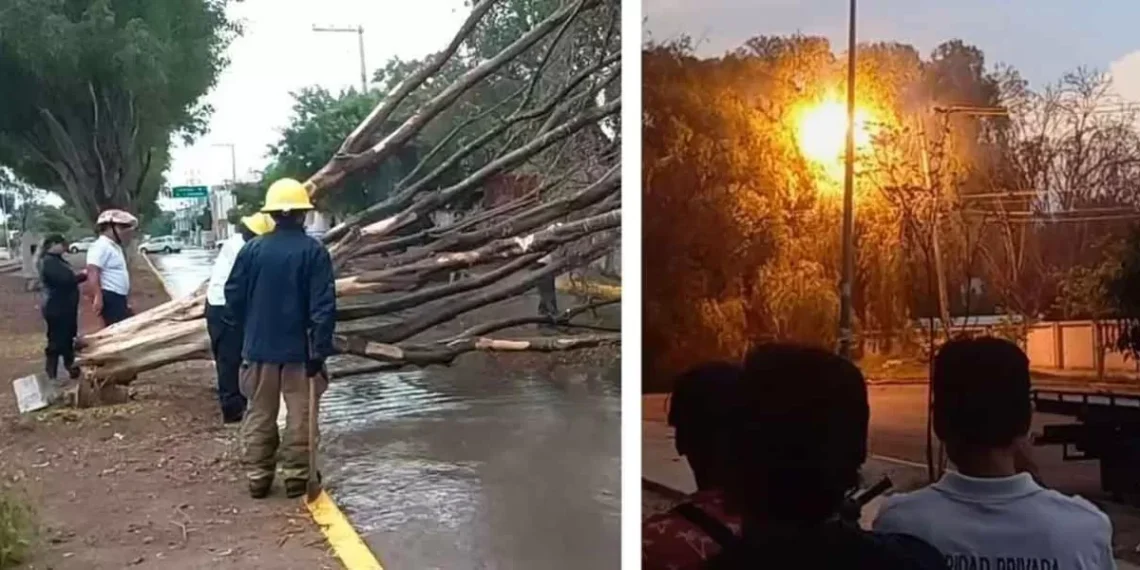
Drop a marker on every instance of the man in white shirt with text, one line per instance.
(990, 513)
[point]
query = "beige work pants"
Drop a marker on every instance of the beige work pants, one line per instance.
(264, 385)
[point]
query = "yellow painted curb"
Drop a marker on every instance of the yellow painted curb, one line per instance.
(345, 543)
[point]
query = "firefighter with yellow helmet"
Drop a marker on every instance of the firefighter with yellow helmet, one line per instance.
(225, 337)
(281, 293)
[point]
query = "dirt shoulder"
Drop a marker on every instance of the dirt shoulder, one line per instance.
(153, 483)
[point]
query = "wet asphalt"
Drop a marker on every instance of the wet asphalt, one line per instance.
(472, 466)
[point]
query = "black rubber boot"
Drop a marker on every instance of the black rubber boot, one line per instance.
(51, 366)
(297, 487)
(259, 488)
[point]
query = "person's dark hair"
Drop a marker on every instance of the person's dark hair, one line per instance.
(289, 218)
(246, 233)
(52, 239)
(800, 432)
(981, 392)
(698, 405)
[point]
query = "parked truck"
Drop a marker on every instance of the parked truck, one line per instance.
(1107, 429)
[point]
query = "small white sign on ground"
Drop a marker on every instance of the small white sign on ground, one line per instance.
(32, 393)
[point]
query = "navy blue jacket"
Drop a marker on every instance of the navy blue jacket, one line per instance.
(281, 292)
(61, 287)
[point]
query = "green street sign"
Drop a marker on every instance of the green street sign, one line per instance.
(190, 191)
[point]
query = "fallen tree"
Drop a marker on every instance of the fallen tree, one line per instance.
(395, 280)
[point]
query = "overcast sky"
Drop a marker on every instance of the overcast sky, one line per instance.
(279, 53)
(1042, 38)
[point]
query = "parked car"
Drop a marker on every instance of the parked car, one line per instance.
(164, 244)
(81, 245)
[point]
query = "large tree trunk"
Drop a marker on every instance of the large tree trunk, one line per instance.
(395, 276)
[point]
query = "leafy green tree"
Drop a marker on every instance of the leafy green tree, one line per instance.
(205, 220)
(745, 228)
(322, 120)
(94, 89)
(247, 200)
(52, 220)
(160, 225)
(1122, 290)
(319, 124)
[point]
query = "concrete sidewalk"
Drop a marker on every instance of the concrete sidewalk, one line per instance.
(661, 465)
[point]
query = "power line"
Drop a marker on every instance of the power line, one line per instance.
(1048, 219)
(1061, 213)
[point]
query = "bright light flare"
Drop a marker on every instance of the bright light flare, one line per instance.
(823, 131)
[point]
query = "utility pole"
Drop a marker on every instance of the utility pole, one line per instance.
(233, 163)
(845, 284)
(937, 199)
(935, 239)
(214, 208)
(359, 31)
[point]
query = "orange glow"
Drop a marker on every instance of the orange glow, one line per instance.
(822, 131)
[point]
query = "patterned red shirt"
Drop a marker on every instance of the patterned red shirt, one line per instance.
(669, 541)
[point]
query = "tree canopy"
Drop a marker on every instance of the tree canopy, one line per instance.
(552, 157)
(95, 89)
(465, 136)
(745, 224)
(319, 124)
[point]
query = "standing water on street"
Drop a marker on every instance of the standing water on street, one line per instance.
(186, 271)
(456, 467)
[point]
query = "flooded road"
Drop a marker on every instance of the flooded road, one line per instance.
(472, 466)
(469, 467)
(185, 271)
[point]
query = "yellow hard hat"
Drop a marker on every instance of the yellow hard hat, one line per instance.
(286, 195)
(259, 223)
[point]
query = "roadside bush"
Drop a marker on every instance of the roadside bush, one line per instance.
(17, 528)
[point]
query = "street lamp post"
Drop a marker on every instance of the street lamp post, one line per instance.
(845, 285)
(233, 162)
(359, 31)
(217, 215)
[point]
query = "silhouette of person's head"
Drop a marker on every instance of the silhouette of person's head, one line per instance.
(982, 408)
(799, 434)
(698, 409)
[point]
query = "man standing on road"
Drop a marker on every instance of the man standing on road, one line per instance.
(991, 513)
(547, 287)
(225, 338)
(108, 279)
(281, 293)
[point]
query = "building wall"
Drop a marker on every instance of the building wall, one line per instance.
(1069, 346)
(221, 201)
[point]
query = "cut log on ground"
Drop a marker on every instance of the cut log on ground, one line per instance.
(423, 355)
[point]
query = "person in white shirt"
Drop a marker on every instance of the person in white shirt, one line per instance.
(225, 337)
(109, 281)
(991, 513)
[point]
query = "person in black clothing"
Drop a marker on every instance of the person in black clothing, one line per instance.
(696, 414)
(60, 307)
(672, 540)
(799, 437)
